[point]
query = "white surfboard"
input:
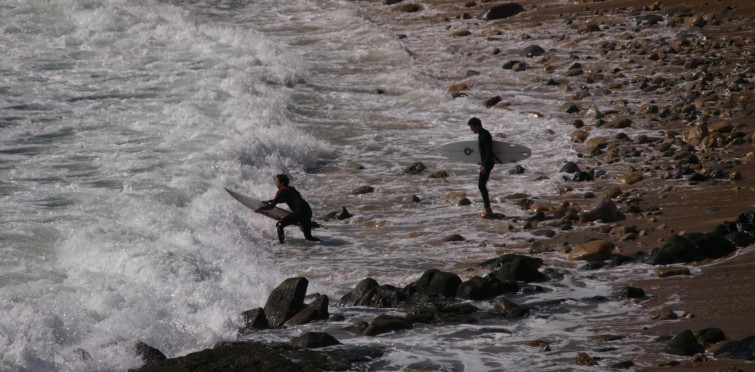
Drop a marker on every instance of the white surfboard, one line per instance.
(469, 152)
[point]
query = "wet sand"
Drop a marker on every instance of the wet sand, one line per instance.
(722, 294)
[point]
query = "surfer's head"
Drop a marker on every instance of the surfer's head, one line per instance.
(281, 179)
(475, 124)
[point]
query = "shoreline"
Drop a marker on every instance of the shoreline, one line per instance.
(656, 205)
(713, 297)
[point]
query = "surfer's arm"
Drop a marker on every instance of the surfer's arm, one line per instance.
(270, 204)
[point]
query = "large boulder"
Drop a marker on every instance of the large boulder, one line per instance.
(436, 282)
(513, 267)
(692, 247)
(286, 300)
(316, 310)
(149, 354)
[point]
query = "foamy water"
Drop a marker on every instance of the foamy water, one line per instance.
(122, 121)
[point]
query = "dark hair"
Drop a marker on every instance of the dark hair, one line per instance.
(282, 178)
(475, 122)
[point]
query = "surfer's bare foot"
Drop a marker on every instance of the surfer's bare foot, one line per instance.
(487, 212)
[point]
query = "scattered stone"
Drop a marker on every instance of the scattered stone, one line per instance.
(415, 168)
(684, 344)
(664, 313)
(313, 340)
(604, 210)
(583, 359)
(386, 323)
(665, 272)
(500, 11)
(362, 190)
(596, 250)
(453, 238)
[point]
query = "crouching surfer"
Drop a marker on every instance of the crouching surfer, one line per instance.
(301, 212)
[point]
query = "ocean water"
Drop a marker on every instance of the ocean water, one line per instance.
(122, 121)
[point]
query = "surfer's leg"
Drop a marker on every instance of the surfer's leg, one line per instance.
(286, 221)
(483, 185)
(306, 227)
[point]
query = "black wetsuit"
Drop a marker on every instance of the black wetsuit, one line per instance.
(301, 212)
(485, 142)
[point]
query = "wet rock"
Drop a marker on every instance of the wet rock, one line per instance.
(604, 210)
(570, 167)
(633, 177)
(316, 310)
(743, 349)
(684, 344)
(569, 108)
(436, 282)
(664, 313)
(618, 123)
(633, 292)
(453, 238)
(695, 135)
(626, 364)
(286, 300)
(341, 214)
(533, 51)
(438, 174)
(512, 267)
(478, 288)
(511, 310)
(313, 340)
(540, 344)
(369, 293)
(579, 135)
(407, 8)
(415, 168)
(596, 250)
(665, 272)
(386, 323)
(149, 354)
(492, 101)
(254, 319)
(583, 359)
(516, 66)
(709, 336)
(458, 87)
(500, 11)
(253, 356)
(518, 169)
(362, 190)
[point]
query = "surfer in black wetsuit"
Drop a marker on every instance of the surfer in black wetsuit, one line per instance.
(487, 161)
(301, 212)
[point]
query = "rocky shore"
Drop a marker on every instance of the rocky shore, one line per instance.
(664, 128)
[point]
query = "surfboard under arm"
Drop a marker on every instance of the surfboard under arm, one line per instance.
(469, 152)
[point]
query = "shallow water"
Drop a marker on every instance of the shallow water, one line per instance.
(121, 122)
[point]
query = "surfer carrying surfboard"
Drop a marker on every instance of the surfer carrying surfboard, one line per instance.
(301, 212)
(487, 161)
